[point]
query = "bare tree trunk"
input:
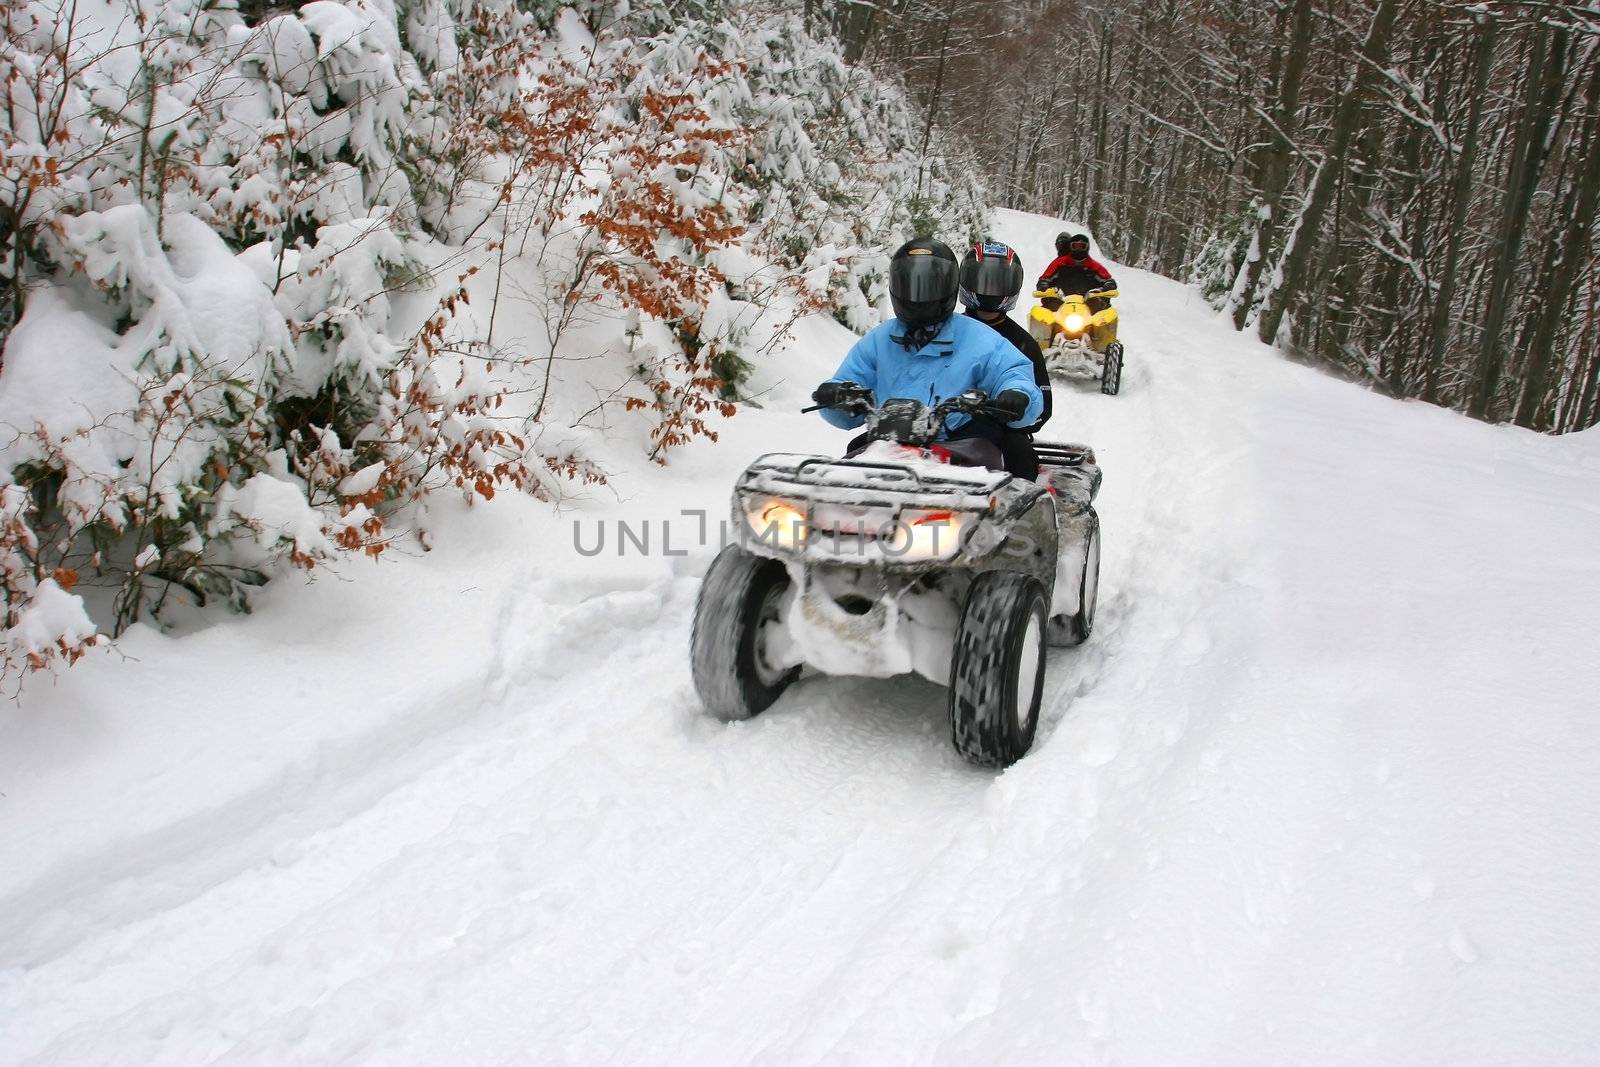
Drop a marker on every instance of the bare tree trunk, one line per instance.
(855, 30)
(1098, 165)
(1527, 165)
(1583, 410)
(1561, 283)
(1348, 277)
(1138, 225)
(1460, 200)
(1278, 156)
(1303, 237)
(938, 87)
(1394, 344)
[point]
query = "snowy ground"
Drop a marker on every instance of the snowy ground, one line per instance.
(1321, 789)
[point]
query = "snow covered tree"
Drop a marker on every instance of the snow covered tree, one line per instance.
(250, 238)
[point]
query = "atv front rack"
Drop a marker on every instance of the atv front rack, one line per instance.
(868, 483)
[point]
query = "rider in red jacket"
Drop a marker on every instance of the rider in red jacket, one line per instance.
(1073, 271)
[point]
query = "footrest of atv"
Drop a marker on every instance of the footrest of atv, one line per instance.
(1061, 455)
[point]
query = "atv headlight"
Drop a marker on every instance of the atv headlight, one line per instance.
(920, 535)
(775, 522)
(1074, 323)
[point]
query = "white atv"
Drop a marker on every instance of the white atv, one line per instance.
(909, 556)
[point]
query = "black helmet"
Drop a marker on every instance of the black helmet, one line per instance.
(1076, 245)
(991, 277)
(922, 282)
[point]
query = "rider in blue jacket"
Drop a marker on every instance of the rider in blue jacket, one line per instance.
(928, 353)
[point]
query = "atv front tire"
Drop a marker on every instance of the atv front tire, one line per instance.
(1111, 373)
(740, 600)
(997, 673)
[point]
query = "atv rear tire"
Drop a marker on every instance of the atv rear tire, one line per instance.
(1069, 630)
(1111, 373)
(740, 597)
(997, 673)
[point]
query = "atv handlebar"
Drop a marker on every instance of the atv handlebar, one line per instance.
(972, 402)
(1093, 294)
(854, 398)
(858, 400)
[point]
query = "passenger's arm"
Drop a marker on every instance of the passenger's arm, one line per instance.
(1049, 272)
(1009, 369)
(1041, 378)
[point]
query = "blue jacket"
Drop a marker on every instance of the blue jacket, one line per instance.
(965, 354)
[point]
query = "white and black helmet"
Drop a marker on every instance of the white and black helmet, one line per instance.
(991, 277)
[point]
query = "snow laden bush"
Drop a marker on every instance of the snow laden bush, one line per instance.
(205, 222)
(610, 190)
(835, 177)
(260, 274)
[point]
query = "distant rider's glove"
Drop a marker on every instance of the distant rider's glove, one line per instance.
(1012, 403)
(835, 394)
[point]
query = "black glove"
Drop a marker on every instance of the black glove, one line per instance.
(835, 394)
(1013, 403)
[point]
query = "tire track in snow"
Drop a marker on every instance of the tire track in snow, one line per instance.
(583, 763)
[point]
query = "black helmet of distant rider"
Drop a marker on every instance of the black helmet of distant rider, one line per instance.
(991, 277)
(923, 283)
(1075, 245)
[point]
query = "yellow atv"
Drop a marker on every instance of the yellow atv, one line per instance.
(1078, 342)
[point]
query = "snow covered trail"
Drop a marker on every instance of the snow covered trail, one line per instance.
(1319, 789)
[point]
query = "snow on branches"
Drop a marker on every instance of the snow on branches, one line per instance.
(231, 338)
(206, 221)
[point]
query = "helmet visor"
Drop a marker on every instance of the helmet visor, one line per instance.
(919, 278)
(992, 276)
(1078, 247)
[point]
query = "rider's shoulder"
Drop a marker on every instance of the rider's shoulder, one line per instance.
(968, 332)
(965, 328)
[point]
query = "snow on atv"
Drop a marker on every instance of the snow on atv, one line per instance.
(1077, 341)
(910, 555)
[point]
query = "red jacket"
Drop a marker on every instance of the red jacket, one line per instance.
(1076, 275)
